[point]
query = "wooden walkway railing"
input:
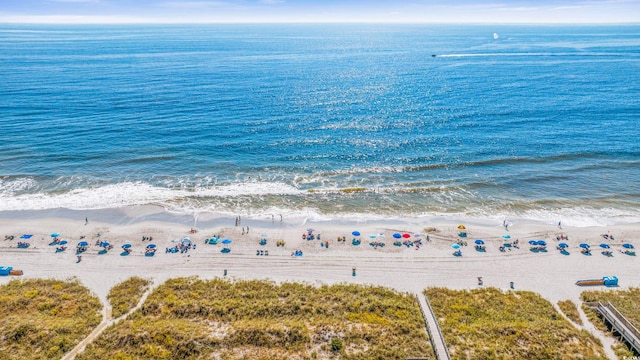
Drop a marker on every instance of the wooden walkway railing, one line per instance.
(435, 334)
(620, 323)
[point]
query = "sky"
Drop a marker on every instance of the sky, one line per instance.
(309, 11)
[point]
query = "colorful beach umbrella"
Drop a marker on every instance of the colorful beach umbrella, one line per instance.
(126, 246)
(584, 245)
(104, 244)
(397, 235)
(533, 242)
(541, 243)
(456, 246)
(151, 246)
(226, 241)
(26, 236)
(627, 246)
(479, 242)
(461, 227)
(406, 236)
(605, 246)
(55, 234)
(355, 233)
(506, 236)
(563, 245)
(63, 242)
(373, 236)
(83, 243)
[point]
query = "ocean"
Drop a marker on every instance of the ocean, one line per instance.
(323, 122)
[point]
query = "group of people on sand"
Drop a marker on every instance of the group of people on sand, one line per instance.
(9, 237)
(262, 252)
(147, 238)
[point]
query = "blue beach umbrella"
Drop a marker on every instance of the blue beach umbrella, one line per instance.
(355, 233)
(55, 234)
(151, 246)
(541, 243)
(83, 243)
(104, 244)
(26, 236)
(397, 235)
(63, 242)
(373, 236)
(605, 246)
(506, 236)
(479, 242)
(627, 246)
(126, 246)
(563, 245)
(226, 241)
(533, 242)
(456, 246)
(584, 245)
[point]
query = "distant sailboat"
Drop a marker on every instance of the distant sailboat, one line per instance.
(496, 36)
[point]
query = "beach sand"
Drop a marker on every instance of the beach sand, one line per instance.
(550, 274)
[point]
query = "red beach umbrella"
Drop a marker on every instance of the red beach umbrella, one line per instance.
(406, 236)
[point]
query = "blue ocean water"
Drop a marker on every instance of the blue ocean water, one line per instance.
(323, 120)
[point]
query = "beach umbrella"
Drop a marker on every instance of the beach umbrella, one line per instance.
(417, 235)
(605, 246)
(126, 246)
(104, 244)
(506, 236)
(355, 233)
(373, 236)
(461, 227)
(533, 242)
(26, 236)
(226, 241)
(479, 242)
(55, 234)
(186, 240)
(406, 236)
(397, 235)
(584, 246)
(83, 243)
(151, 246)
(541, 243)
(381, 235)
(63, 242)
(563, 245)
(627, 246)
(456, 246)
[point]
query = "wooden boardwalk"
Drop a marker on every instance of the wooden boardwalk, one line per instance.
(435, 335)
(619, 323)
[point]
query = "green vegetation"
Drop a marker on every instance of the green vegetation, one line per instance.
(626, 301)
(490, 324)
(570, 310)
(43, 319)
(124, 296)
(188, 318)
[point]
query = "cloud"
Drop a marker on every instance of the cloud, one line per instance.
(193, 4)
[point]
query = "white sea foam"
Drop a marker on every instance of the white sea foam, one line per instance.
(126, 194)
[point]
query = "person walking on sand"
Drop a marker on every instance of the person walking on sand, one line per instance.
(559, 224)
(86, 220)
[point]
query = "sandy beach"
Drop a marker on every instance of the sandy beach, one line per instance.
(406, 268)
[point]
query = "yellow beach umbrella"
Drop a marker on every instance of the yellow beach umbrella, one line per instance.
(461, 227)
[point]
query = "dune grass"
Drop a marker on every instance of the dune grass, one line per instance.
(626, 301)
(489, 324)
(43, 319)
(124, 296)
(189, 318)
(570, 310)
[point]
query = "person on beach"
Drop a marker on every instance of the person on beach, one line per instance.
(559, 224)
(86, 220)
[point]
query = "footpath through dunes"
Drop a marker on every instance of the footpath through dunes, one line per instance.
(489, 323)
(192, 318)
(43, 319)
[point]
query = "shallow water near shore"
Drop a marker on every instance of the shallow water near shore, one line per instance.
(322, 123)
